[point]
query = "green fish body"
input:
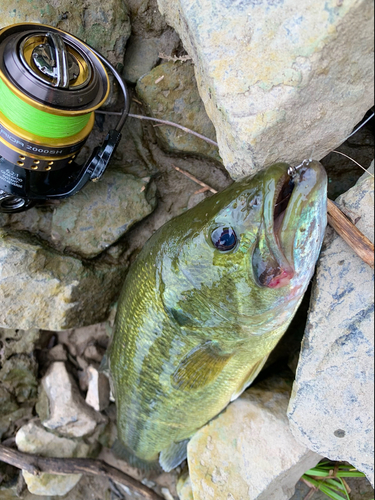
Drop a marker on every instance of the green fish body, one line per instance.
(206, 301)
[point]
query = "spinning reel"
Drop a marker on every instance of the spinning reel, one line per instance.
(50, 85)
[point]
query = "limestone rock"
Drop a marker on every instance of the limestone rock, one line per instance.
(17, 342)
(18, 375)
(61, 408)
(98, 216)
(332, 407)
(265, 71)
(170, 93)
(40, 288)
(248, 452)
(33, 438)
(184, 489)
(98, 389)
(103, 25)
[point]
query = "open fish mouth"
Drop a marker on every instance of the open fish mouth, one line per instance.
(286, 200)
(283, 196)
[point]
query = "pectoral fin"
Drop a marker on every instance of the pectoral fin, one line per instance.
(200, 367)
(172, 456)
(250, 377)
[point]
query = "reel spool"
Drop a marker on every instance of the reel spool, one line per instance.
(50, 85)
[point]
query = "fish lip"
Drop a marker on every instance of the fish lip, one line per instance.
(286, 198)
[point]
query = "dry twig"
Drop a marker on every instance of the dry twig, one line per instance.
(349, 233)
(35, 465)
(205, 187)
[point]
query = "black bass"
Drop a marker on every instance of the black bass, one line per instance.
(206, 301)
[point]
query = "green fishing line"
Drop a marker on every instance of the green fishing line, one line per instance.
(36, 121)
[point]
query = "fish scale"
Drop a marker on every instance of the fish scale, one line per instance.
(195, 323)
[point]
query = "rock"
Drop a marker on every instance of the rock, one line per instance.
(57, 353)
(103, 25)
(18, 375)
(61, 408)
(17, 342)
(332, 408)
(40, 288)
(170, 93)
(33, 438)
(184, 489)
(98, 216)
(142, 54)
(249, 451)
(265, 70)
(98, 389)
(77, 340)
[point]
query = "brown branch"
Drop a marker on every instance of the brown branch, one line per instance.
(349, 233)
(35, 465)
(194, 179)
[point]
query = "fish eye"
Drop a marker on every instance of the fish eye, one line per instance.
(224, 238)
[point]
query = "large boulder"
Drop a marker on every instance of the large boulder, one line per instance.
(249, 451)
(103, 25)
(40, 288)
(280, 80)
(332, 407)
(170, 93)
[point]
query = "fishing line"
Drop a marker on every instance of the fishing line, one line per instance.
(38, 122)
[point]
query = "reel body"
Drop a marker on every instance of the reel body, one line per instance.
(50, 85)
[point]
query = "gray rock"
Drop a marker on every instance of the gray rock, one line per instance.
(95, 218)
(40, 288)
(33, 438)
(265, 71)
(103, 25)
(17, 342)
(61, 407)
(142, 54)
(332, 407)
(18, 375)
(170, 93)
(249, 451)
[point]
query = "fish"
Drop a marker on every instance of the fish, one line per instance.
(207, 299)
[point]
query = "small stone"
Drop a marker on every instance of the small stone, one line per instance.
(184, 489)
(94, 353)
(66, 411)
(33, 438)
(98, 389)
(332, 406)
(57, 353)
(166, 494)
(253, 454)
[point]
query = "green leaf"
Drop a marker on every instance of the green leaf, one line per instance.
(330, 493)
(349, 473)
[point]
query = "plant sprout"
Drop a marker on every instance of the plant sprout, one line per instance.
(329, 478)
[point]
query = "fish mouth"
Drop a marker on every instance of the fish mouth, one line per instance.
(283, 195)
(286, 200)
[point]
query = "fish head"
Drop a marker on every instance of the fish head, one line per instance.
(247, 254)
